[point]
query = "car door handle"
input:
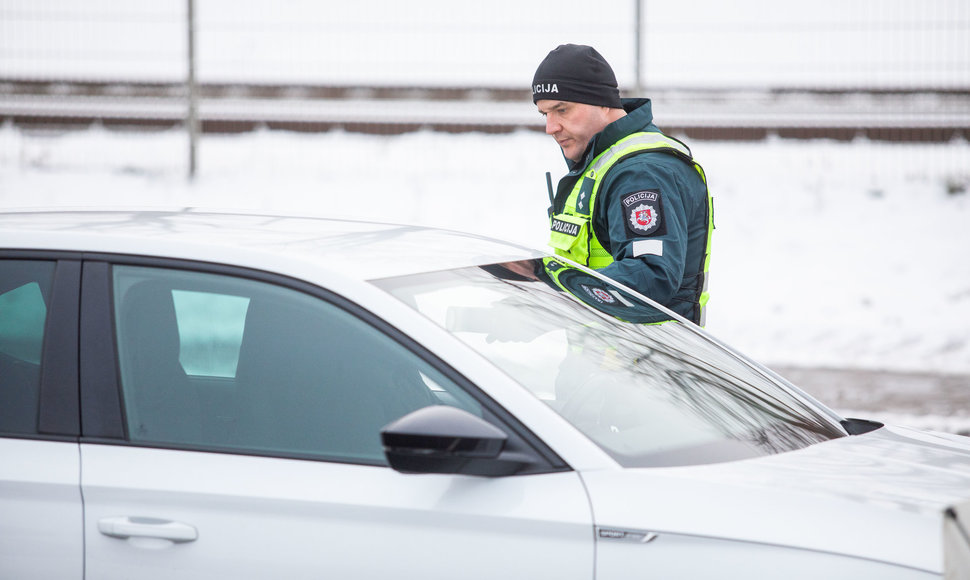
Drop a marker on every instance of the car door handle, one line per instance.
(139, 527)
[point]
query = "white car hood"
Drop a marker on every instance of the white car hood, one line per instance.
(878, 496)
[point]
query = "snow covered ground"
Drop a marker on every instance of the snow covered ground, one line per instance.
(826, 254)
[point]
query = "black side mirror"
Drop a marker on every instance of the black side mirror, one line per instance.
(443, 439)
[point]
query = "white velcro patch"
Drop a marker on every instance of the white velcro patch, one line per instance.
(648, 248)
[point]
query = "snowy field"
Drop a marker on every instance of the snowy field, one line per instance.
(826, 254)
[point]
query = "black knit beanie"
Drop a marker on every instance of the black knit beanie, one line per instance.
(578, 74)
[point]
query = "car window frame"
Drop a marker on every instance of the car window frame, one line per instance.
(58, 416)
(101, 404)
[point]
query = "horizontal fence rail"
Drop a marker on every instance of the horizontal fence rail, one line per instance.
(712, 114)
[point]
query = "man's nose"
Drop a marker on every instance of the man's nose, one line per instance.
(552, 125)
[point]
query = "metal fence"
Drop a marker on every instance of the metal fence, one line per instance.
(883, 69)
(750, 44)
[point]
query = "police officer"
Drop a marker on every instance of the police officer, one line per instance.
(634, 204)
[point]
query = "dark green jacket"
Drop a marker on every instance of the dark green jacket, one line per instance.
(672, 272)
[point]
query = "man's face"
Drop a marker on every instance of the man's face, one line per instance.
(572, 125)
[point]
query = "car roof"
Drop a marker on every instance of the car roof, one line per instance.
(356, 249)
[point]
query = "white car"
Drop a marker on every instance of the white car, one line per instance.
(198, 395)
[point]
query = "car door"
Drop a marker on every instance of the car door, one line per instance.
(231, 430)
(40, 499)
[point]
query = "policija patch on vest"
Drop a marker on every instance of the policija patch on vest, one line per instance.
(564, 227)
(644, 213)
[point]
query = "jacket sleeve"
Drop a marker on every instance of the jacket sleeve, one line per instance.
(642, 219)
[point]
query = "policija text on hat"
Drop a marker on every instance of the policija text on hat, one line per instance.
(635, 204)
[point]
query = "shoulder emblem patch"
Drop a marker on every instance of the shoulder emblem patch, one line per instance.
(644, 213)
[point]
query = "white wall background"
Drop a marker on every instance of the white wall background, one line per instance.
(693, 43)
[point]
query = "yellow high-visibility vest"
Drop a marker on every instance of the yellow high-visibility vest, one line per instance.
(571, 230)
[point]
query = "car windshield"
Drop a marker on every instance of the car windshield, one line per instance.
(648, 390)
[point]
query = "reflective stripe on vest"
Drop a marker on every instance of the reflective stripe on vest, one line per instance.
(571, 231)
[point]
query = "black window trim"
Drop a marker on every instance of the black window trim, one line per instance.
(101, 404)
(60, 412)
(102, 415)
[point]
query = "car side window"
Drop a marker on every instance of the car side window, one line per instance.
(25, 288)
(227, 363)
